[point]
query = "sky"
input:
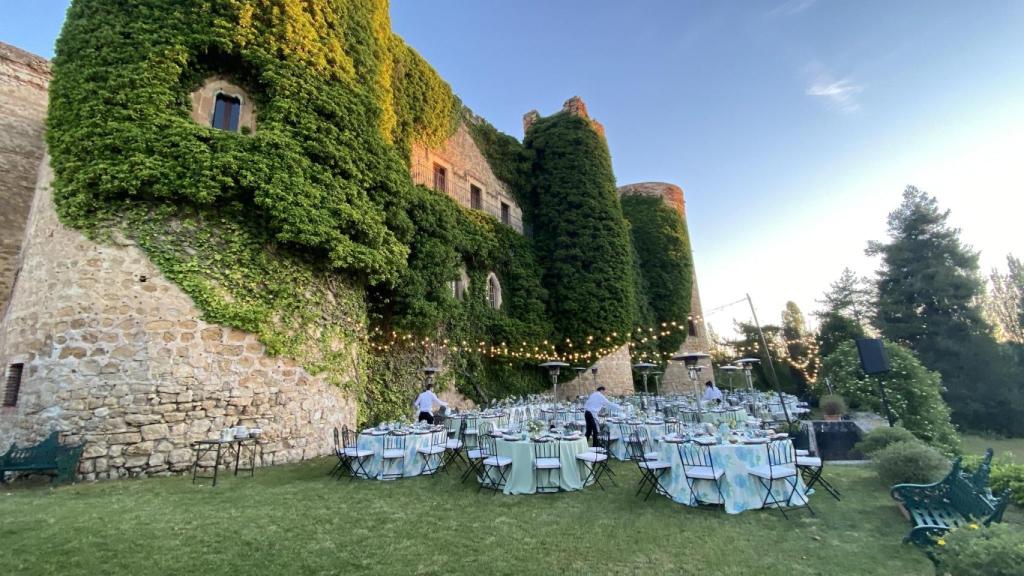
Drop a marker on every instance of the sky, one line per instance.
(793, 126)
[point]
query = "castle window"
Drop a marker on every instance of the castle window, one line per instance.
(226, 111)
(505, 217)
(692, 327)
(493, 291)
(476, 198)
(13, 384)
(440, 178)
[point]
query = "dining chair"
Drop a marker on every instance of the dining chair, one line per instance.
(781, 466)
(547, 457)
(811, 469)
(493, 468)
(356, 457)
(394, 452)
(651, 471)
(433, 452)
(698, 465)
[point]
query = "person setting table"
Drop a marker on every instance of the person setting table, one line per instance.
(425, 404)
(595, 403)
(712, 393)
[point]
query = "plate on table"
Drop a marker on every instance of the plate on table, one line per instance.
(779, 436)
(755, 440)
(706, 440)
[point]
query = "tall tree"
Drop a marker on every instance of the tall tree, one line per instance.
(1005, 302)
(846, 313)
(928, 298)
(801, 346)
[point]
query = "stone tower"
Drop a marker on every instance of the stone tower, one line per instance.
(98, 344)
(676, 377)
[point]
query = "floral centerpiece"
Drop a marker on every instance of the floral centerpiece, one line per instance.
(534, 427)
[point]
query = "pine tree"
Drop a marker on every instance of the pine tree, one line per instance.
(928, 298)
(847, 311)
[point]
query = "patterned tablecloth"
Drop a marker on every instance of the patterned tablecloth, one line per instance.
(520, 475)
(412, 465)
(741, 490)
(619, 430)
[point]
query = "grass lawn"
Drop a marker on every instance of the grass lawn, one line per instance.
(294, 520)
(973, 444)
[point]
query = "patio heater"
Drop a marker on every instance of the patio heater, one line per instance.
(691, 360)
(657, 382)
(580, 371)
(593, 371)
(730, 370)
(747, 364)
(644, 368)
(553, 368)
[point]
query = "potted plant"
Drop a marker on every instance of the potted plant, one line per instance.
(833, 406)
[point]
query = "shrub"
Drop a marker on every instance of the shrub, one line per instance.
(909, 462)
(881, 437)
(833, 404)
(996, 550)
(1004, 474)
(914, 392)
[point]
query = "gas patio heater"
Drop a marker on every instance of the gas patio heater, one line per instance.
(730, 370)
(553, 368)
(644, 368)
(580, 371)
(747, 364)
(657, 382)
(691, 360)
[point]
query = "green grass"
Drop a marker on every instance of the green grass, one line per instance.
(1005, 447)
(294, 520)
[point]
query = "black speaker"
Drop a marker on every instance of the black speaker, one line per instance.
(873, 358)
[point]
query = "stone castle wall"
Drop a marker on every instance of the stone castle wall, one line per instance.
(117, 356)
(676, 377)
(465, 166)
(614, 372)
(24, 79)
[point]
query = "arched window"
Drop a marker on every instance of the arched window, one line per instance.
(226, 111)
(493, 291)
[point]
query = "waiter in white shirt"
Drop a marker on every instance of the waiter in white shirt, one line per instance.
(712, 393)
(425, 404)
(595, 402)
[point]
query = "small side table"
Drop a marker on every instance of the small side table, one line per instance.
(235, 447)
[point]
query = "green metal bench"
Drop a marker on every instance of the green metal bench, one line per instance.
(954, 501)
(47, 456)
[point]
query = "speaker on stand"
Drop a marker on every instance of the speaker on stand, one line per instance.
(874, 360)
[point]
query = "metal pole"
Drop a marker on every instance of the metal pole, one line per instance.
(771, 366)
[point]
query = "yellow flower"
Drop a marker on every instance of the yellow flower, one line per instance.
(941, 542)
(973, 525)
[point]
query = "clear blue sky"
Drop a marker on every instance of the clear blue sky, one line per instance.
(792, 125)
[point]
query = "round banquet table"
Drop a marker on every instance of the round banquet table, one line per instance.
(520, 477)
(741, 490)
(370, 440)
(453, 422)
(618, 448)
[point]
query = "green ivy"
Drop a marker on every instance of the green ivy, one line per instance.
(664, 260)
(580, 233)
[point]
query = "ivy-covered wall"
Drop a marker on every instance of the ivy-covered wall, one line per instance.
(309, 231)
(580, 234)
(664, 262)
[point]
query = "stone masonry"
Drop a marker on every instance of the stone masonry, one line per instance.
(24, 78)
(118, 357)
(676, 377)
(465, 166)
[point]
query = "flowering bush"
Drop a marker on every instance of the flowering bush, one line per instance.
(913, 391)
(996, 550)
(909, 462)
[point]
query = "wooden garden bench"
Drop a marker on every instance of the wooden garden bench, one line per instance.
(954, 501)
(47, 456)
